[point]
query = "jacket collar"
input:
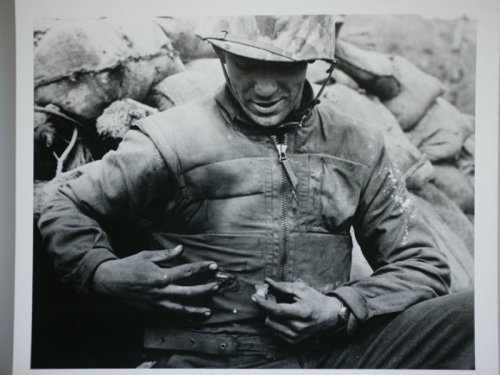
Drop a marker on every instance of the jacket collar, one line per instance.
(235, 114)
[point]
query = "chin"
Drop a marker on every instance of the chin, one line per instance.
(267, 121)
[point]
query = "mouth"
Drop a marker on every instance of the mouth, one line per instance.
(265, 107)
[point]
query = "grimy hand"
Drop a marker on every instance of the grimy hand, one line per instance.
(308, 313)
(141, 280)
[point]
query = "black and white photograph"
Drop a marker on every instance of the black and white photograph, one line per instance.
(266, 190)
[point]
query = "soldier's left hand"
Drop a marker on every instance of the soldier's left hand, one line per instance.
(307, 313)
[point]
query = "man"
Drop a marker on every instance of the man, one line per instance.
(260, 186)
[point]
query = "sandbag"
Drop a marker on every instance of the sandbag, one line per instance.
(317, 73)
(450, 244)
(117, 119)
(419, 90)
(455, 185)
(466, 159)
(373, 71)
(209, 66)
(441, 132)
(182, 33)
(450, 213)
(186, 86)
(86, 66)
(415, 167)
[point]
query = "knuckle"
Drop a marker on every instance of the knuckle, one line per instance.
(307, 313)
(165, 278)
(189, 270)
(144, 254)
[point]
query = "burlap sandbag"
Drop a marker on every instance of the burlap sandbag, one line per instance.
(414, 166)
(450, 213)
(441, 132)
(317, 72)
(117, 119)
(466, 159)
(450, 244)
(85, 66)
(203, 78)
(419, 90)
(182, 33)
(373, 71)
(209, 66)
(456, 185)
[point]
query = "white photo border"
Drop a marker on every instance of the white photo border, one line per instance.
(486, 12)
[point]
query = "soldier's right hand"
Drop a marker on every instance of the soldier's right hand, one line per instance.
(141, 280)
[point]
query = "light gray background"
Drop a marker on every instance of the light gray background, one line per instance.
(7, 153)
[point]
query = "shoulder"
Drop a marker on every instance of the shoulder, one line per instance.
(183, 124)
(180, 117)
(349, 137)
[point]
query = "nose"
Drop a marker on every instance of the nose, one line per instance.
(265, 87)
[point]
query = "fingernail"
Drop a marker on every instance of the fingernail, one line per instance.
(254, 299)
(207, 313)
(212, 266)
(215, 287)
(178, 248)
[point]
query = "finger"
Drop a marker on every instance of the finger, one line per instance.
(167, 254)
(187, 291)
(290, 310)
(280, 328)
(296, 325)
(184, 309)
(186, 270)
(157, 256)
(283, 286)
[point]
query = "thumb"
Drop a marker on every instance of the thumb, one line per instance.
(160, 256)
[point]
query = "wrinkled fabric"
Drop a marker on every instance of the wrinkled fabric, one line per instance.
(208, 179)
(434, 334)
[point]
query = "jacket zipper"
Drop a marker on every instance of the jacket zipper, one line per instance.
(286, 173)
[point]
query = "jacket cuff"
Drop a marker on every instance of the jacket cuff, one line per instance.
(356, 304)
(81, 277)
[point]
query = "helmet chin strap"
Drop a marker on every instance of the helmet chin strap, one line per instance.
(309, 106)
(315, 101)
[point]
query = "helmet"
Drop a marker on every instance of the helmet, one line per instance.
(274, 38)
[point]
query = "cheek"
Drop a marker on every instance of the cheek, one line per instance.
(293, 87)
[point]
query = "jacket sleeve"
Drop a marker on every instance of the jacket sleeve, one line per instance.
(397, 243)
(119, 189)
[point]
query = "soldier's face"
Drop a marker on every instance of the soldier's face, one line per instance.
(267, 91)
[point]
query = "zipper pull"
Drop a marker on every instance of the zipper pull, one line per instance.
(281, 151)
(285, 162)
(283, 159)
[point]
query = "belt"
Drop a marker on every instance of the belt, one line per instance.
(213, 343)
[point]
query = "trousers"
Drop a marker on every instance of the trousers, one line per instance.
(434, 334)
